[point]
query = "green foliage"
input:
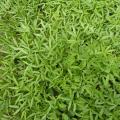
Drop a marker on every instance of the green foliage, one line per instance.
(59, 60)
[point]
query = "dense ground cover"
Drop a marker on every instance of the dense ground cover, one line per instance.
(59, 60)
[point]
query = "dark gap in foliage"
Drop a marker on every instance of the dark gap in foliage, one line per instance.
(16, 61)
(41, 6)
(90, 11)
(78, 62)
(75, 96)
(41, 94)
(113, 87)
(36, 68)
(59, 114)
(17, 33)
(117, 91)
(76, 117)
(111, 13)
(98, 87)
(69, 113)
(87, 37)
(57, 65)
(23, 91)
(86, 44)
(111, 84)
(106, 22)
(47, 84)
(86, 97)
(117, 80)
(53, 92)
(65, 72)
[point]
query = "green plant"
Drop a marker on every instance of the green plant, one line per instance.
(59, 60)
